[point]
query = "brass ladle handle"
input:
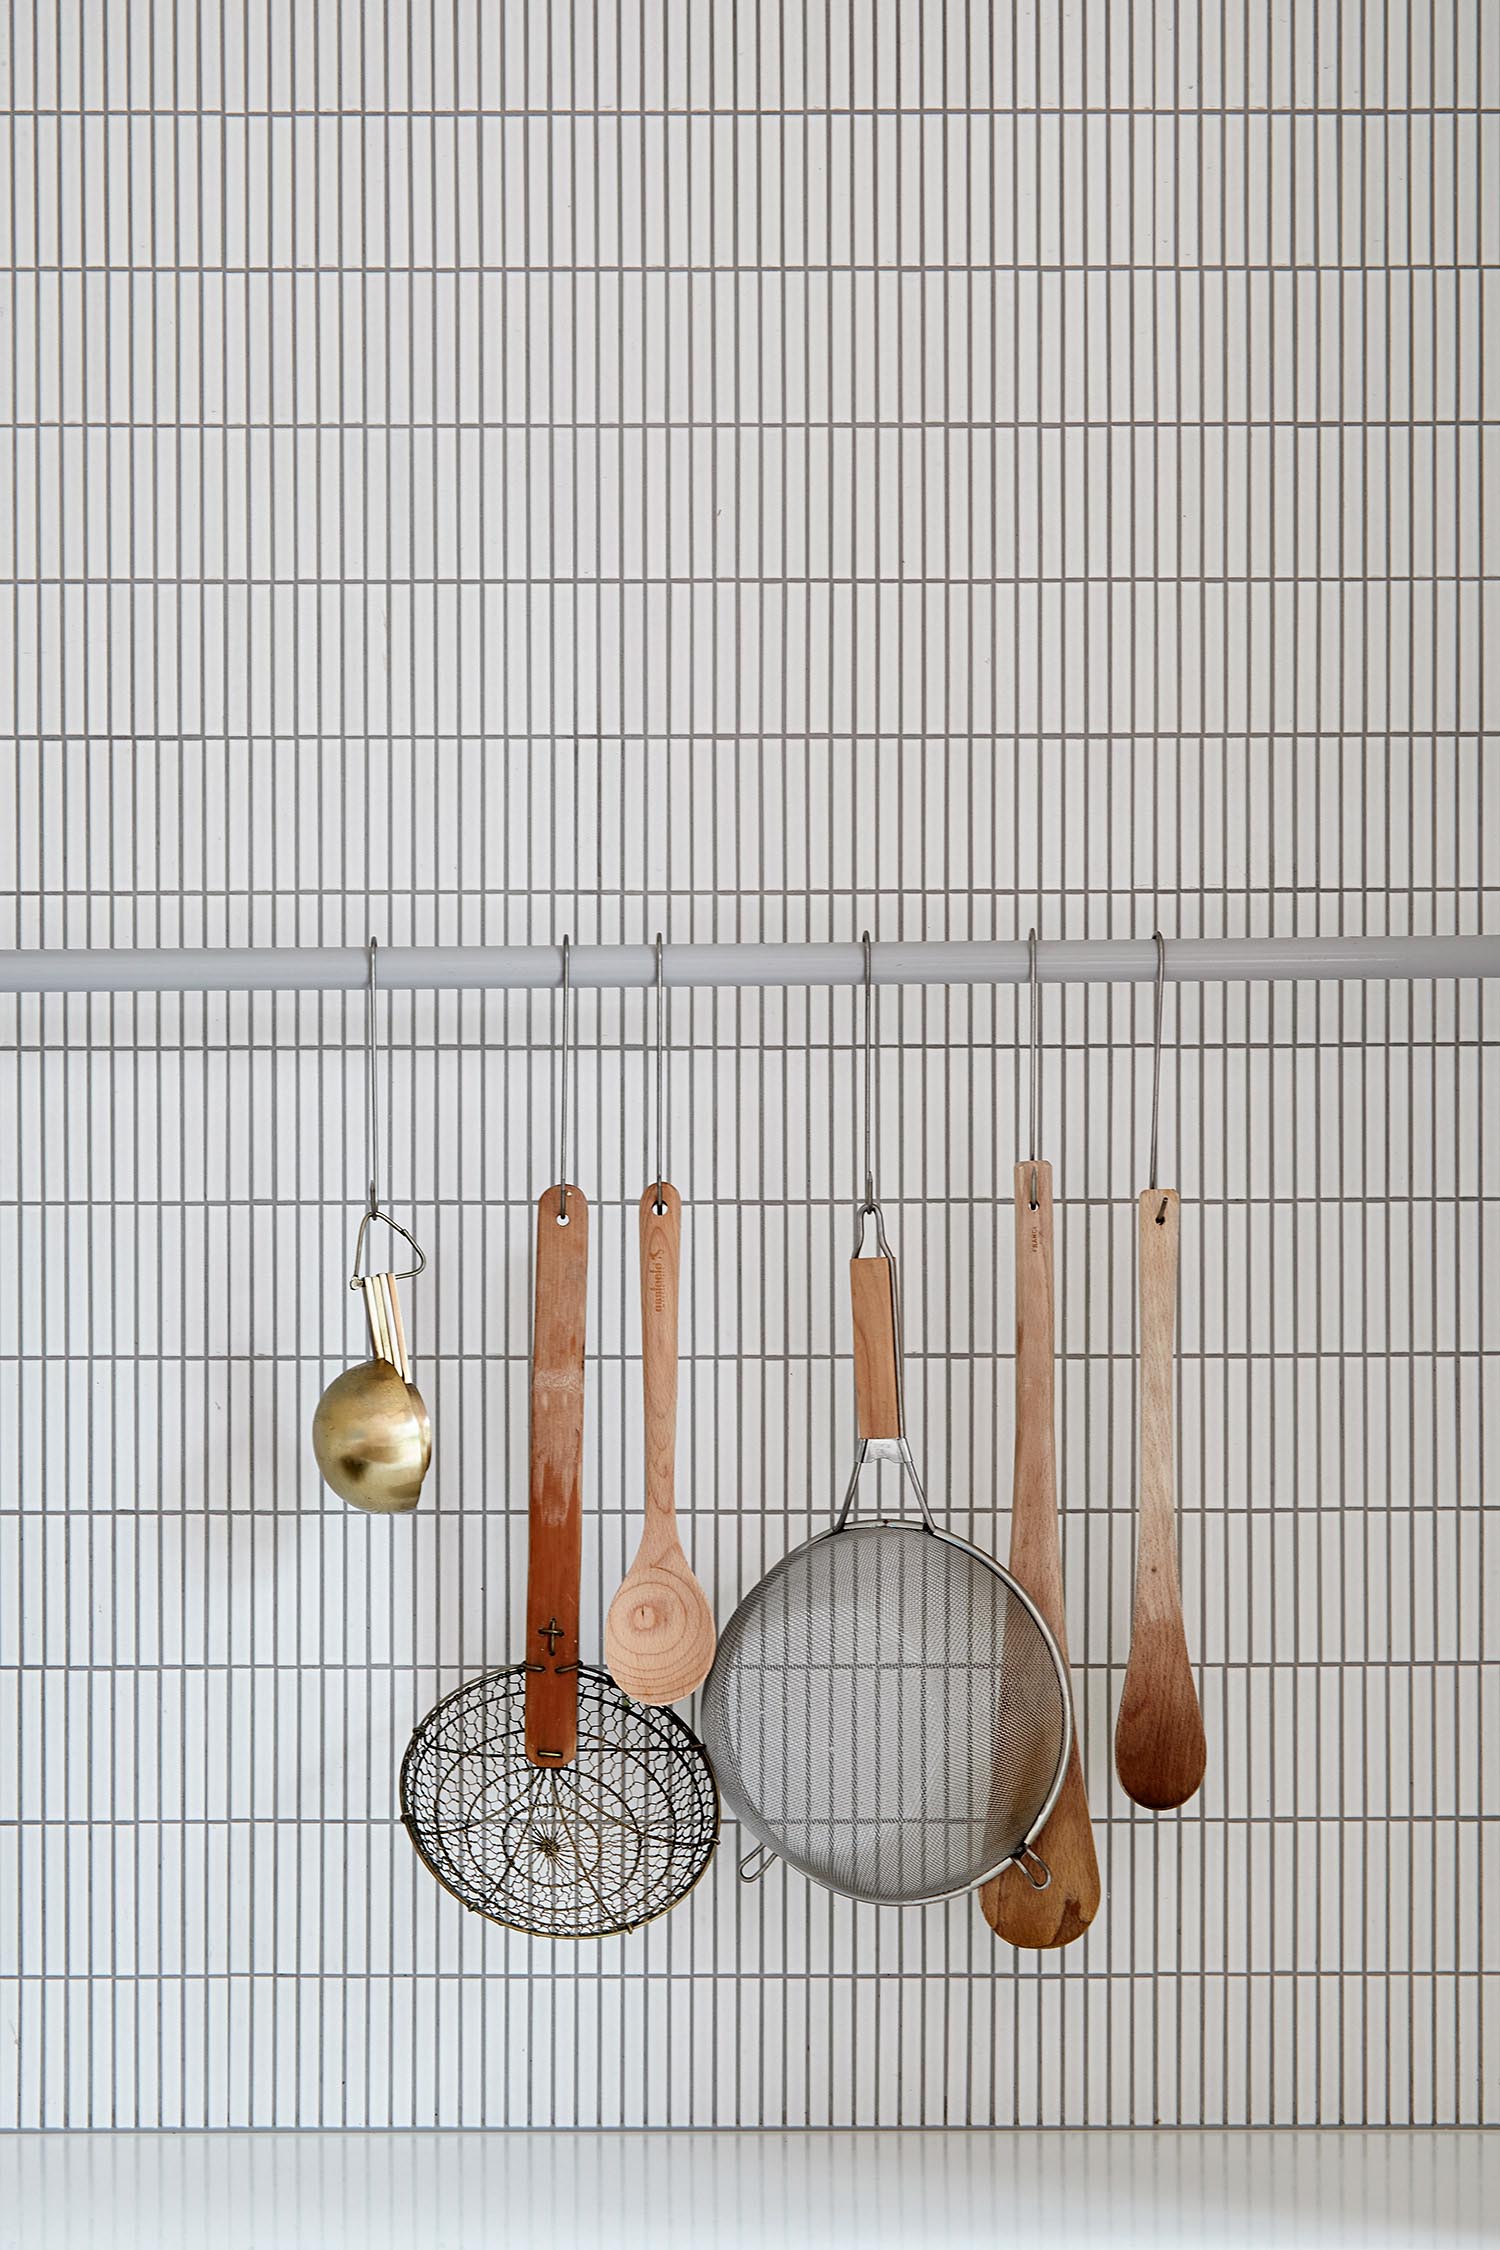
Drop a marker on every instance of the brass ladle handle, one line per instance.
(398, 1329)
(383, 1311)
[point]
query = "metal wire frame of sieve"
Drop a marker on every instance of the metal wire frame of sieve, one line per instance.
(589, 1849)
(888, 1713)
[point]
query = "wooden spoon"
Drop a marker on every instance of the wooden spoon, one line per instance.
(1160, 1752)
(1012, 1905)
(659, 1636)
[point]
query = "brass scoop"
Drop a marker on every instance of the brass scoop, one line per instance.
(371, 1434)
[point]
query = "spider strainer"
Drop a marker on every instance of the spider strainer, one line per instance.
(888, 1711)
(601, 1845)
(540, 1795)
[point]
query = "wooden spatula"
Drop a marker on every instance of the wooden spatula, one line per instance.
(1160, 1752)
(1012, 1905)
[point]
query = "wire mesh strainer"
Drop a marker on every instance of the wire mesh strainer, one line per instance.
(888, 1711)
(540, 1795)
(609, 1841)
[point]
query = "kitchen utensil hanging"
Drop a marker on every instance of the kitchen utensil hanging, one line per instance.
(1160, 1752)
(371, 1435)
(887, 1709)
(1013, 1907)
(659, 1634)
(539, 1795)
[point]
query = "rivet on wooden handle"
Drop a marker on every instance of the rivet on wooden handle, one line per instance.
(1160, 1751)
(877, 1368)
(556, 1518)
(1012, 1905)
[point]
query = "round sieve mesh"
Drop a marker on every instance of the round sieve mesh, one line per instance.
(887, 1712)
(581, 1850)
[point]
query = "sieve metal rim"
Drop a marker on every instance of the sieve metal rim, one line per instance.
(863, 1526)
(592, 1675)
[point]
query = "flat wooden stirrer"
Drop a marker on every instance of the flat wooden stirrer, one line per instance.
(1012, 1905)
(1160, 1752)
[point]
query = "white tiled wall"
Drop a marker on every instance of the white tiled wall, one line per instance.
(752, 473)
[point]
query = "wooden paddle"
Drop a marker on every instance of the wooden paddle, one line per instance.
(1012, 1905)
(1160, 1752)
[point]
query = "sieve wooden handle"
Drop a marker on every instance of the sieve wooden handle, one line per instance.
(1160, 1752)
(877, 1367)
(1014, 1908)
(556, 1520)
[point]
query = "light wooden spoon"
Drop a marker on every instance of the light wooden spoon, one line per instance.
(1160, 1752)
(659, 1636)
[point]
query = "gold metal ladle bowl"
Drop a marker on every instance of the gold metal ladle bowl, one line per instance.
(371, 1434)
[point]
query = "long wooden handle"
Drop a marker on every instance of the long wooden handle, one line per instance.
(661, 1254)
(877, 1367)
(556, 1525)
(1160, 1752)
(1015, 1909)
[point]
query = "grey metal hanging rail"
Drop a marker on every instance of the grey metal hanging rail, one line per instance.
(453, 968)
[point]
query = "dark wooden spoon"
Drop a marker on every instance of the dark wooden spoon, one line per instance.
(1160, 1752)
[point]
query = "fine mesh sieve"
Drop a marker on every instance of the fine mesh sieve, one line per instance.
(886, 1713)
(888, 1710)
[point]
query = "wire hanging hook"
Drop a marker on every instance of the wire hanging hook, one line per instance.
(869, 977)
(1161, 980)
(562, 1127)
(372, 1119)
(373, 1208)
(1036, 1075)
(661, 1113)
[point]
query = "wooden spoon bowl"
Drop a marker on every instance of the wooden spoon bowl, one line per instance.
(659, 1637)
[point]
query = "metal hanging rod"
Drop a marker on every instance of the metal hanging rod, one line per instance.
(477, 968)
